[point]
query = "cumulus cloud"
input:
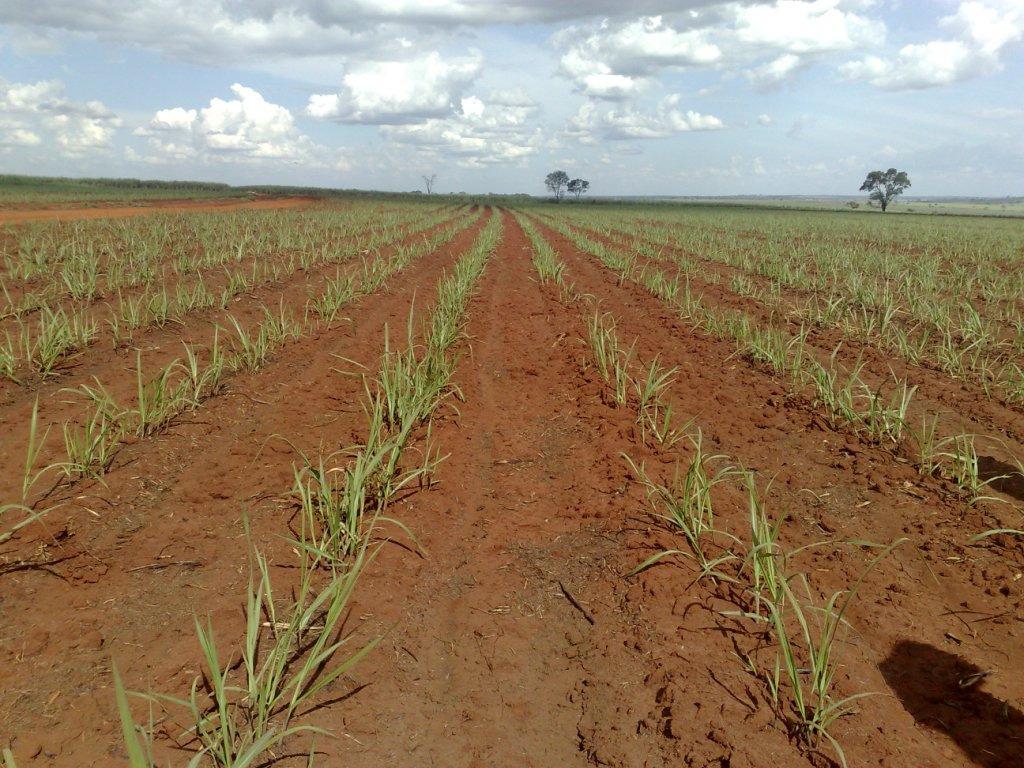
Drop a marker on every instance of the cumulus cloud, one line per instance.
(500, 129)
(396, 92)
(593, 122)
(774, 73)
(614, 60)
(43, 107)
(247, 128)
(982, 30)
(803, 26)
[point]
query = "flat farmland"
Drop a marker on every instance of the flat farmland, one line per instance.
(432, 482)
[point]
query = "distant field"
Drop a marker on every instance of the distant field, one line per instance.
(20, 191)
(966, 207)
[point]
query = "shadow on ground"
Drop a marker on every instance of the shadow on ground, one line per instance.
(1005, 478)
(945, 693)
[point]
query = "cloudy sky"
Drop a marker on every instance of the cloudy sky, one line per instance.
(683, 97)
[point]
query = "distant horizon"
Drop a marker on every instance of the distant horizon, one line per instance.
(858, 196)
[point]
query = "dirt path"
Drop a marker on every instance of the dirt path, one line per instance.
(515, 641)
(164, 206)
(482, 673)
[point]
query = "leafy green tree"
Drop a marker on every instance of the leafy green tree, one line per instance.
(578, 187)
(885, 186)
(556, 181)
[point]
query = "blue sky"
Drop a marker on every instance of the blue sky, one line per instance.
(649, 97)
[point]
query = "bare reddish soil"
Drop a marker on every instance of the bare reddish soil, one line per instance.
(517, 637)
(20, 216)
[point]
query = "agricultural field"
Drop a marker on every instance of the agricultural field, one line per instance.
(423, 482)
(34, 192)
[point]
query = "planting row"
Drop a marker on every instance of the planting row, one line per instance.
(90, 442)
(38, 347)
(848, 401)
(894, 300)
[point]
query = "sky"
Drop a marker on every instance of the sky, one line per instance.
(692, 97)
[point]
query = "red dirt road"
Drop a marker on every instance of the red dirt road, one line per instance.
(163, 206)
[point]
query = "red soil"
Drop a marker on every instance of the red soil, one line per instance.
(517, 638)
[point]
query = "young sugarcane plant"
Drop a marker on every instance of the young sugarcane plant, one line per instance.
(612, 360)
(686, 505)
(26, 511)
(241, 711)
(654, 415)
(90, 448)
(766, 558)
(810, 673)
(157, 401)
(964, 467)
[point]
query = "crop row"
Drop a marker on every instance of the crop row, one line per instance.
(949, 335)
(39, 347)
(846, 399)
(90, 446)
(776, 600)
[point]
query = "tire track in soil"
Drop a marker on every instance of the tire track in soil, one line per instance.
(167, 540)
(488, 661)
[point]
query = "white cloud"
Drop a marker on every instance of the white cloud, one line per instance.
(764, 120)
(738, 168)
(775, 72)
(614, 60)
(396, 92)
(983, 29)
(257, 31)
(925, 65)
(13, 133)
(247, 128)
(594, 122)
(498, 130)
(804, 26)
(43, 107)
(611, 61)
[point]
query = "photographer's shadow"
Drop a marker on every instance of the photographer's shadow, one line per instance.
(946, 693)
